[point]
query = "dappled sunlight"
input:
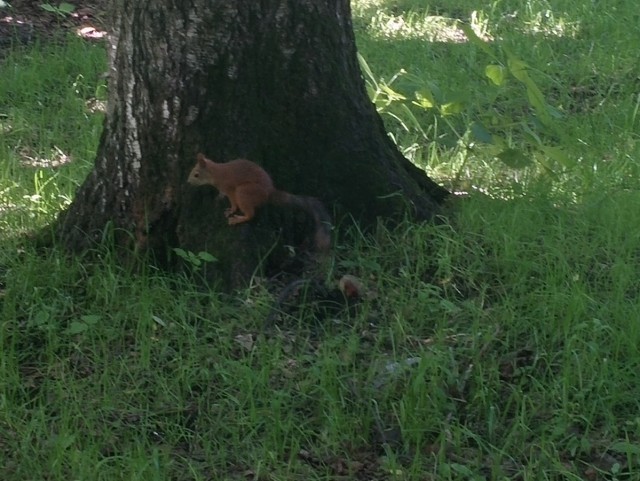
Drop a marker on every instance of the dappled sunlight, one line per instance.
(364, 5)
(5, 125)
(387, 24)
(547, 24)
(433, 28)
(56, 158)
(95, 105)
(91, 33)
(493, 100)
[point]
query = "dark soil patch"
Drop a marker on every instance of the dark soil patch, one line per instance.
(24, 21)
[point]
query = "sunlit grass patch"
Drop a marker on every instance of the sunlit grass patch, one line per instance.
(49, 135)
(439, 23)
(460, 109)
(431, 28)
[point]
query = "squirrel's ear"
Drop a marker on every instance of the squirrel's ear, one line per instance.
(201, 158)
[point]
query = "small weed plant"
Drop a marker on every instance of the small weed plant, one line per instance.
(63, 9)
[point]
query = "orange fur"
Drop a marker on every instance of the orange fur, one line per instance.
(248, 186)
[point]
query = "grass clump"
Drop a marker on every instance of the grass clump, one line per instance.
(501, 343)
(459, 107)
(50, 128)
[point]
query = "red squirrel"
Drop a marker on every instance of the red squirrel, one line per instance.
(248, 186)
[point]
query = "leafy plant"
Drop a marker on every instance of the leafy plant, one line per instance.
(83, 324)
(533, 127)
(63, 9)
(517, 139)
(196, 260)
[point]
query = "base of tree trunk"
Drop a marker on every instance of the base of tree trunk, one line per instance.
(276, 83)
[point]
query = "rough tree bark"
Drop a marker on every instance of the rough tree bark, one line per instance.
(274, 81)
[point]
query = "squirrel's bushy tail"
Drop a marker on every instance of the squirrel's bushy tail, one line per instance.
(313, 207)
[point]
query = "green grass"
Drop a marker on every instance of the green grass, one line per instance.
(49, 135)
(501, 344)
(581, 62)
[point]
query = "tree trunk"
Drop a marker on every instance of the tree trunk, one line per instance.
(274, 81)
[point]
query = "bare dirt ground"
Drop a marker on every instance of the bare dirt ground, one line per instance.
(24, 21)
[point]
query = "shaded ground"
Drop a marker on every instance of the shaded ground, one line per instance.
(24, 21)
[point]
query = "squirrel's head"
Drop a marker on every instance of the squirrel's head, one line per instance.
(198, 175)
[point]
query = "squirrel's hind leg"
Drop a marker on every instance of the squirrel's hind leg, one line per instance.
(248, 198)
(234, 205)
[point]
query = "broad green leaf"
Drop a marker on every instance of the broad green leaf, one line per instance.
(62, 441)
(518, 69)
(451, 108)
(536, 99)
(480, 133)
(424, 98)
(41, 318)
(626, 448)
(393, 95)
(76, 327)
(514, 158)
(554, 112)
(180, 252)
(496, 74)
(159, 320)
(499, 142)
(461, 469)
(371, 92)
(206, 257)
(66, 7)
(559, 155)
(91, 319)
